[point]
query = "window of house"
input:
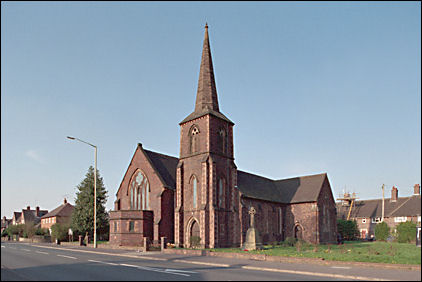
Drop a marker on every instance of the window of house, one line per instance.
(131, 226)
(400, 219)
(376, 219)
(363, 220)
(139, 192)
(115, 227)
(419, 218)
(279, 220)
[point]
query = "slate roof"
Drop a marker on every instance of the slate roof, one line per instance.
(288, 191)
(404, 206)
(64, 210)
(165, 166)
(291, 190)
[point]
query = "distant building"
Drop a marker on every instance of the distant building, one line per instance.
(27, 215)
(61, 214)
(5, 223)
(367, 213)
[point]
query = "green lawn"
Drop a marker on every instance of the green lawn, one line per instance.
(382, 252)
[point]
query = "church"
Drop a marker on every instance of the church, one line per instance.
(201, 199)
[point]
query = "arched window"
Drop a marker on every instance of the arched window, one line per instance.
(223, 140)
(195, 191)
(139, 192)
(194, 139)
(220, 192)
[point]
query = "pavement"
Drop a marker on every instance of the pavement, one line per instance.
(23, 261)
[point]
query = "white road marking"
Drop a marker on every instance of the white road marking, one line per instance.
(66, 256)
(26, 250)
(202, 263)
(342, 267)
(41, 253)
(110, 263)
(3, 246)
(153, 269)
(130, 265)
(178, 270)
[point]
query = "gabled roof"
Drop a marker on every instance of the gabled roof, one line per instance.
(288, 191)
(28, 215)
(165, 167)
(17, 215)
(404, 206)
(291, 190)
(64, 210)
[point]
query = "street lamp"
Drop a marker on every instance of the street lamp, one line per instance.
(95, 188)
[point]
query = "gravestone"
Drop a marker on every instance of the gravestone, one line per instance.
(252, 240)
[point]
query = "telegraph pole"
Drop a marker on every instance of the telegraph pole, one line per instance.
(382, 216)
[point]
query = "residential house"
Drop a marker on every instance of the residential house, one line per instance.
(27, 215)
(367, 213)
(61, 214)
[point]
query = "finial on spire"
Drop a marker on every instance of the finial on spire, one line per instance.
(206, 25)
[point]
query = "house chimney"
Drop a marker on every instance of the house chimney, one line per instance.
(416, 189)
(28, 208)
(65, 201)
(37, 211)
(394, 194)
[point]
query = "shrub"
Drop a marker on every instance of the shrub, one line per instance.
(406, 232)
(382, 231)
(59, 231)
(289, 242)
(195, 241)
(29, 230)
(348, 229)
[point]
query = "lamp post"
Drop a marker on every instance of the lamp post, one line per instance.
(95, 188)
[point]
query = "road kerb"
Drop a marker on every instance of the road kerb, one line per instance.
(101, 253)
(332, 275)
(202, 263)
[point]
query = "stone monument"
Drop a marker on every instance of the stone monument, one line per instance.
(252, 240)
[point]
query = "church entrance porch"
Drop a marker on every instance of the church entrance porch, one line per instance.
(193, 234)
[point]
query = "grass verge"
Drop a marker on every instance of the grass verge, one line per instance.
(380, 252)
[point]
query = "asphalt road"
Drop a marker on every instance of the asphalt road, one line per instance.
(35, 262)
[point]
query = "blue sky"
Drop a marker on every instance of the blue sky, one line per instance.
(312, 87)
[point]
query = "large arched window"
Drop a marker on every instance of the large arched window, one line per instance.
(139, 192)
(194, 139)
(194, 191)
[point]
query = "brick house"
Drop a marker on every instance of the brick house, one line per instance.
(62, 214)
(202, 193)
(367, 213)
(27, 215)
(5, 223)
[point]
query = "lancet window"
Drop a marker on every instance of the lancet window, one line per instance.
(194, 139)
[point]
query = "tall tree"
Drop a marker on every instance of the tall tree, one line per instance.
(83, 214)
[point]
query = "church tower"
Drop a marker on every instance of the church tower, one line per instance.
(206, 200)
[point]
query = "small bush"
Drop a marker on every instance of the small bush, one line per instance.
(289, 242)
(59, 231)
(382, 231)
(348, 229)
(406, 232)
(195, 241)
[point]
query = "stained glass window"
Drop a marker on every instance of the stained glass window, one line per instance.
(139, 192)
(194, 184)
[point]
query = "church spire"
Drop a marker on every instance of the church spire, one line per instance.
(206, 96)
